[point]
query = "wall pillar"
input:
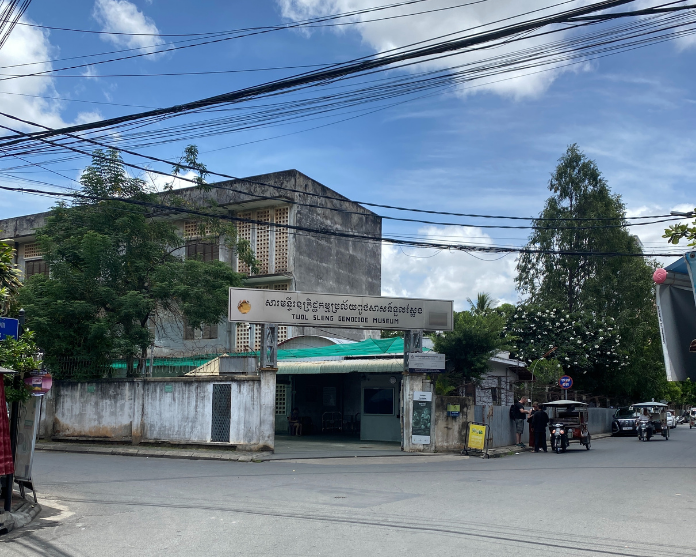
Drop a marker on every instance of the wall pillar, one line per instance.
(267, 408)
(48, 412)
(411, 383)
(138, 408)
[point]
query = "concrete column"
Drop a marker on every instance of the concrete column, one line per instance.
(138, 409)
(410, 384)
(267, 408)
(48, 412)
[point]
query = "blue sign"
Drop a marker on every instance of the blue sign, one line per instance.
(565, 382)
(9, 327)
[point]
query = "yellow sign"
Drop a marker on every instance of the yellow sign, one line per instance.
(476, 437)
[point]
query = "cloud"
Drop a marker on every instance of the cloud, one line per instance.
(22, 97)
(158, 181)
(121, 16)
(382, 36)
(450, 275)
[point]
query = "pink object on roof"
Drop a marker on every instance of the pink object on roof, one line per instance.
(660, 275)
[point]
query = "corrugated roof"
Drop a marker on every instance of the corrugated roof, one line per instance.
(342, 366)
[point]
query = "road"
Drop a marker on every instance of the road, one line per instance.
(621, 498)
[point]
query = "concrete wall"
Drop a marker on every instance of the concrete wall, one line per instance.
(451, 432)
(173, 410)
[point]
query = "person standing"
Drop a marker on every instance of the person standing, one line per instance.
(519, 414)
(540, 420)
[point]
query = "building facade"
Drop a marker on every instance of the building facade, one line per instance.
(294, 260)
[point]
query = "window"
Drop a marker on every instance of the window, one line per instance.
(204, 251)
(494, 395)
(209, 331)
(281, 402)
(378, 401)
(281, 239)
(32, 251)
(244, 232)
(192, 229)
(262, 247)
(242, 337)
(35, 267)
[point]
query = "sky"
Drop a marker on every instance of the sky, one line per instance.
(485, 147)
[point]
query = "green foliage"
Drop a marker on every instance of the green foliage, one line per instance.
(615, 291)
(20, 355)
(389, 333)
(586, 344)
(444, 387)
(475, 338)
(482, 304)
(675, 233)
(115, 266)
(9, 278)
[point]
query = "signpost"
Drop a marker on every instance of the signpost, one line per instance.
(565, 382)
(476, 439)
(427, 363)
(9, 327)
(295, 308)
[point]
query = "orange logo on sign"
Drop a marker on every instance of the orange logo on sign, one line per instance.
(244, 306)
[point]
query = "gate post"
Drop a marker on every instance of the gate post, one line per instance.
(269, 346)
(411, 382)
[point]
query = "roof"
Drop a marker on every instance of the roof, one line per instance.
(649, 404)
(563, 403)
(342, 366)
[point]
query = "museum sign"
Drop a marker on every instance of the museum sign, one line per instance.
(334, 310)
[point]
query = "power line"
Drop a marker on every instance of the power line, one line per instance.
(342, 70)
(335, 233)
(342, 210)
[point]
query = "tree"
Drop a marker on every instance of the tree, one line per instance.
(20, 355)
(475, 338)
(483, 304)
(618, 287)
(114, 266)
(9, 278)
(675, 233)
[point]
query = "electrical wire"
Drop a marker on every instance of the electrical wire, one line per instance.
(169, 209)
(343, 210)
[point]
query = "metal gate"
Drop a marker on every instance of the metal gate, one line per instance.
(220, 419)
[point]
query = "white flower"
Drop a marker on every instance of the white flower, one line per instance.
(566, 358)
(561, 319)
(567, 315)
(597, 346)
(575, 362)
(579, 341)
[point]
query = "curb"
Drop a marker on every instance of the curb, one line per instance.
(146, 452)
(24, 515)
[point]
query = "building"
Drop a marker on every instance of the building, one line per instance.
(290, 260)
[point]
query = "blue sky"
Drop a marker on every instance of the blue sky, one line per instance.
(486, 150)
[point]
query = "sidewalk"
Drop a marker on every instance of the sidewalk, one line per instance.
(23, 512)
(286, 448)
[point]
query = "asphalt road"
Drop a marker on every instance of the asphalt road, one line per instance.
(623, 497)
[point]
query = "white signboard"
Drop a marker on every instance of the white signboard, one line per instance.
(421, 418)
(334, 310)
(426, 363)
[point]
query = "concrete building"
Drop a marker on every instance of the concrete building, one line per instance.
(290, 260)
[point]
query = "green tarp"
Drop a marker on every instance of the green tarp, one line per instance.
(393, 345)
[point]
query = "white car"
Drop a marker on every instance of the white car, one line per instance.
(671, 420)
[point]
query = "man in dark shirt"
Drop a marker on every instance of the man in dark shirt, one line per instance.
(519, 417)
(540, 420)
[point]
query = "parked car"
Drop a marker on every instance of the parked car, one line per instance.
(624, 422)
(672, 419)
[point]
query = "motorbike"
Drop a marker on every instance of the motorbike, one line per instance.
(558, 437)
(652, 420)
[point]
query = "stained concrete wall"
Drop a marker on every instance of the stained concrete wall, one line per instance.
(174, 410)
(451, 432)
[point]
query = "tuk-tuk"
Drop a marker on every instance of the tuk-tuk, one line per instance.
(652, 420)
(568, 422)
(692, 416)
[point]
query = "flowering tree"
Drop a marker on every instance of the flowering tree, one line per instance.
(585, 343)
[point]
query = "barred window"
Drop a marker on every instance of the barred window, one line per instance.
(242, 337)
(35, 267)
(204, 251)
(281, 239)
(280, 287)
(281, 399)
(244, 231)
(257, 336)
(192, 229)
(262, 247)
(282, 333)
(209, 331)
(32, 250)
